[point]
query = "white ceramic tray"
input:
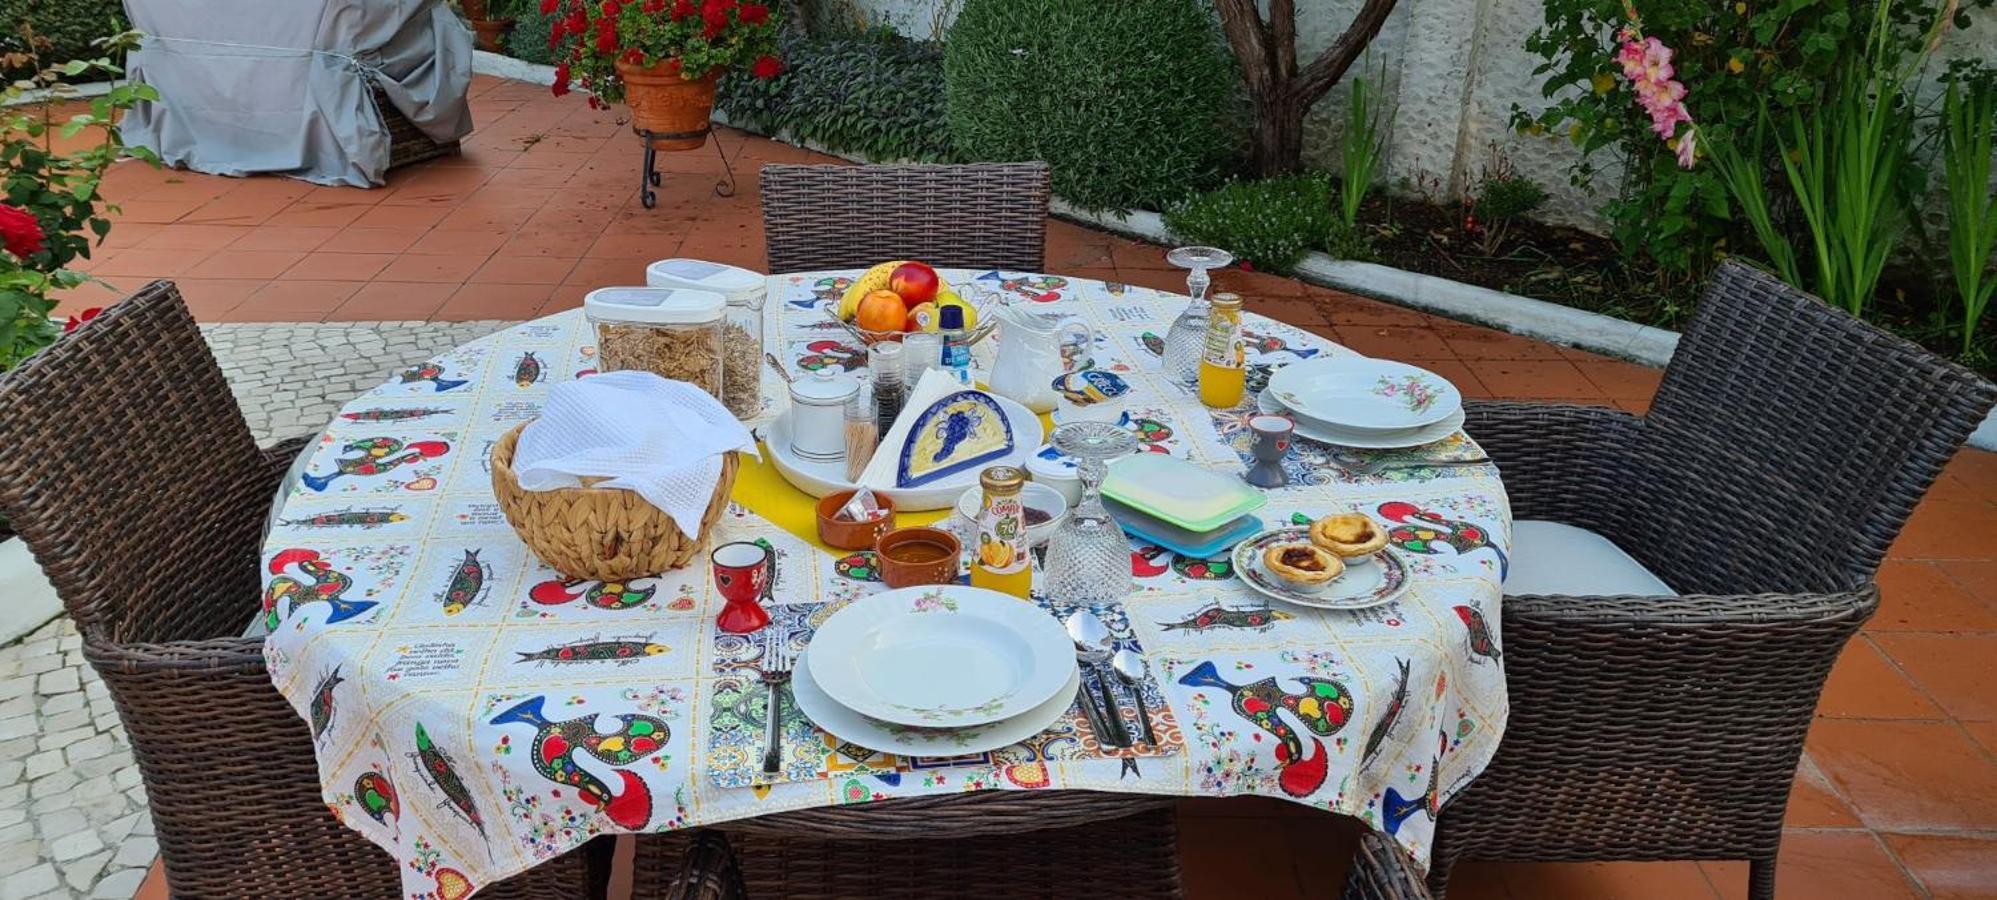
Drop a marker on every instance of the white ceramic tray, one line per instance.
(821, 478)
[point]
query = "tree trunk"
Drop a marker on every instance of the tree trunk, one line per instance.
(1282, 94)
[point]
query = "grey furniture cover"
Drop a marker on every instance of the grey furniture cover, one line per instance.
(281, 86)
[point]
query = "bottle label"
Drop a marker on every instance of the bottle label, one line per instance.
(1002, 534)
(1224, 346)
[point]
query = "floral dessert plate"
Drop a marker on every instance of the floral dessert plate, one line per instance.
(941, 656)
(1380, 579)
(1362, 440)
(1365, 395)
(918, 740)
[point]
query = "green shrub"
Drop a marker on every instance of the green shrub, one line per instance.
(68, 25)
(1128, 102)
(874, 92)
(1270, 223)
(529, 38)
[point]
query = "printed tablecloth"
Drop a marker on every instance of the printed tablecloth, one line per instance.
(475, 713)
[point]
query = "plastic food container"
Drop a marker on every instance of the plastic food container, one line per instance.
(672, 333)
(743, 291)
(1180, 493)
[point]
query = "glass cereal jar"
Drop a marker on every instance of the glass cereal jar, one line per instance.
(742, 325)
(675, 334)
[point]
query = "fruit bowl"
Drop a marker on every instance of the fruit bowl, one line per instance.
(986, 325)
(894, 299)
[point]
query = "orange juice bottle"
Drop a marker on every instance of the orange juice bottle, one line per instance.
(1001, 562)
(1223, 377)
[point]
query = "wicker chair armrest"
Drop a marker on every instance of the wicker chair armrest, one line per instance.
(1380, 871)
(225, 656)
(1693, 610)
(1561, 462)
(278, 457)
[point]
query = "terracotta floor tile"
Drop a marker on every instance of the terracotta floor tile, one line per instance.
(493, 195)
(1390, 342)
(570, 244)
(536, 158)
(1975, 472)
(1128, 254)
(648, 246)
(232, 263)
(294, 239)
(194, 237)
(1951, 867)
(148, 262)
(1822, 864)
(1958, 670)
(1984, 734)
(1921, 596)
(432, 267)
(509, 302)
(1864, 685)
(1620, 880)
(485, 218)
(565, 297)
(1346, 309)
(1073, 248)
(1976, 577)
(1256, 284)
(240, 210)
(340, 266)
(212, 299)
(126, 234)
(501, 269)
(1477, 880)
(154, 887)
(1813, 804)
(393, 301)
(402, 218)
(1535, 379)
(157, 212)
(372, 240)
(479, 244)
(1622, 381)
(311, 299)
(1913, 776)
(596, 273)
(308, 213)
(1945, 527)
(1458, 372)
(1476, 342)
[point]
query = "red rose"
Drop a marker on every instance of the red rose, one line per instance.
(767, 67)
(754, 13)
(23, 235)
(561, 79)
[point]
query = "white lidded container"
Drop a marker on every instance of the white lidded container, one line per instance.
(672, 333)
(742, 326)
(818, 414)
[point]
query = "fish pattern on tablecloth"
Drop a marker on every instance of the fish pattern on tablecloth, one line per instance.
(476, 713)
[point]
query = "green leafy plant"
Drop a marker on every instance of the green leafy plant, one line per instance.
(1502, 197)
(1129, 103)
(1969, 115)
(1270, 223)
(873, 92)
(52, 207)
(694, 40)
(1359, 150)
(533, 35)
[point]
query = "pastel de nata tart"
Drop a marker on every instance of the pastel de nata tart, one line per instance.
(1351, 536)
(1303, 565)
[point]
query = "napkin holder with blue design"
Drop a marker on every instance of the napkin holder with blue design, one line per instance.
(944, 429)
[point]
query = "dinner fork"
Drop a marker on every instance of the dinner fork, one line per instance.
(777, 661)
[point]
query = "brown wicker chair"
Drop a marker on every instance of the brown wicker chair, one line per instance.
(407, 144)
(988, 215)
(1380, 871)
(1785, 448)
(132, 476)
(999, 845)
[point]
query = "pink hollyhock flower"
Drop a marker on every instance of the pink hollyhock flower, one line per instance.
(1646, 62)
(1686, 147)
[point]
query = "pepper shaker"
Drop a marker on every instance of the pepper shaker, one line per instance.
(1272, 443)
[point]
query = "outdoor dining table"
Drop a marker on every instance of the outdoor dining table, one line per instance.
(475, 712)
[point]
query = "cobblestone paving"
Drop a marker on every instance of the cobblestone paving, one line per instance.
(73, 820)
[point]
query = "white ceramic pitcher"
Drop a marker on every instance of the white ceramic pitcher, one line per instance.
(1029, 355)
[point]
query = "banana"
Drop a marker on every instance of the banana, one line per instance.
(875, 279)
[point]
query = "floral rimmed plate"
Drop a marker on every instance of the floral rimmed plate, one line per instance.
(916, 740)
(1365, 395)
(941, 656)
(1378, 580)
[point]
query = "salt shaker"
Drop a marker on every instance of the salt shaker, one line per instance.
(1272, 443)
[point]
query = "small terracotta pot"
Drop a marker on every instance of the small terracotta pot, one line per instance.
(932, 568)
(664, 102)
(474, 9)
(847, 535)
(489, 32)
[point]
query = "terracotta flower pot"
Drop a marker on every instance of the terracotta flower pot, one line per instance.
(490, 31)
(473, 9)
(662, 102)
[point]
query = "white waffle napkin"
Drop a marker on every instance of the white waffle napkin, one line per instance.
(660, 438)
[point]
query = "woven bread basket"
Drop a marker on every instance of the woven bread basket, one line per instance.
(605, 534)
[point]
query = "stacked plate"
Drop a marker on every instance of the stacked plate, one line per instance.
(937, 670)
(1368, 403)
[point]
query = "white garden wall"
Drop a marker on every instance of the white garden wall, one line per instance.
(1455, 67)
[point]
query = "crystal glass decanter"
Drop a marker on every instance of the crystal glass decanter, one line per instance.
(1088, 558)
(1189, 331)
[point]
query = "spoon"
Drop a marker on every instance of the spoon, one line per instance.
(1131, 668)
(781, 373)
(1092, 640)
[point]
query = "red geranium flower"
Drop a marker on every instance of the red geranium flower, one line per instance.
(682, 9)
(754, 13)
(606, 34)
(76, 321)
(716, 20)
(562, 79)
(22, 234)
(767, 67)
(653, 7)
(548, 7)
(634, 56)
(673, 66)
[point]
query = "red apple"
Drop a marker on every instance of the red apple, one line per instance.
(915, 282)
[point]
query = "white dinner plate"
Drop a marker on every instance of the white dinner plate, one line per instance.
(1359, 394)
(1376, 581)
(821, 478)
(908, 740)
(1363, 440)
(942, 656)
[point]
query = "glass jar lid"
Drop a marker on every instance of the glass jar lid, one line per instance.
(653, 305)
(735, 283)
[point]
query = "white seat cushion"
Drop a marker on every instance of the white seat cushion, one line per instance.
(1550, 558)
